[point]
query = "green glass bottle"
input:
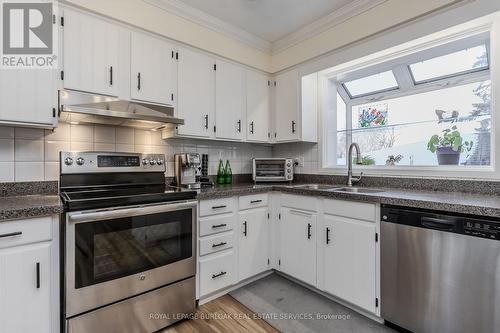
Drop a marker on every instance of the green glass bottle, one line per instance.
(221, 174)
(229, 173)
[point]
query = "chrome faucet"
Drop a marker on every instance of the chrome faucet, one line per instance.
(350, 179)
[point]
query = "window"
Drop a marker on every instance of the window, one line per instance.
(453, 64)
(376, 83)
(427, 112)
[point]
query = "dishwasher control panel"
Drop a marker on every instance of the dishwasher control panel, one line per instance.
(482, 229)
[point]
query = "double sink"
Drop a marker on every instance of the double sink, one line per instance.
(332, 188)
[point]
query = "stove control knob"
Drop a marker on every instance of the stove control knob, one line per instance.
(144, 161)
(68, 161)
(159, 162)
(152, 162)
(80, 161)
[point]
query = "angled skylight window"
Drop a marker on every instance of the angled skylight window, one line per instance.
(457, 63)
(372, 84)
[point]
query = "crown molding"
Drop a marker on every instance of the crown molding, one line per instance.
(326, 22)
(197, 16)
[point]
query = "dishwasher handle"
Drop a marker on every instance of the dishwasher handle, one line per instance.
(437, 223)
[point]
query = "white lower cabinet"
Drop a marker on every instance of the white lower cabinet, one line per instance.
(28, 278)
(253, 242)
(216, 272)
(297, 241)
(349, 260)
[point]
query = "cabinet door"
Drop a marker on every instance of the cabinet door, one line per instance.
(90, 54)
(25, 303)
(28, 96)
(286, 106)
(196, 93)
(229, 101)
(349, 261)
(298, 244)
(253, 247)
(258, 106)
(152, 69)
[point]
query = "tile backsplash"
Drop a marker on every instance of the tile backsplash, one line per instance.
(28, 154)
(306, 152)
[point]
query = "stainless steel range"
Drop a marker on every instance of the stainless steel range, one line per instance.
(128, 253)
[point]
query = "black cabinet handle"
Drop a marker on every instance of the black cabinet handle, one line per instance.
(12, 234)
(111, 75)
(139, 81)
(220, 244)
(218, 207)
(293, 126)
(245, 228)
(37, 275)
(239, 126)
(219, 225)
(218, 275)
(251, 127)
(255, 201)
(309, 230)
(206, 121)
(327, 235)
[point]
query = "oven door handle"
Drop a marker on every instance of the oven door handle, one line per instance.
(113, 213)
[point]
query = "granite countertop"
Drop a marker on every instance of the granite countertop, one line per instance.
(29, 206)
(455, 202)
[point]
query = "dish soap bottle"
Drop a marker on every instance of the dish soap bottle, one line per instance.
(221, 174)
(228, 173)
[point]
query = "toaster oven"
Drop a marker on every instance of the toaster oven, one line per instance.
(272, 170)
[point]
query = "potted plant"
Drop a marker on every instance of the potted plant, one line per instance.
(448, 146)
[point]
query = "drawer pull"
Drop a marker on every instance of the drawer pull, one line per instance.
(219, 207)
(12, 234)
(255, 201)
(220, 244)
(37, 275)
(215, 226)
(214, 276)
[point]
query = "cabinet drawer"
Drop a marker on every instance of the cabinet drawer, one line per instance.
(299, 202)
(216, 273)
(216, 243)
(253, 201)
(216, 206)
(350, 209)
(215, 224)
(20, 232)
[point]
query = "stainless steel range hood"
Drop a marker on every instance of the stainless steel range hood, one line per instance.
(82, 108)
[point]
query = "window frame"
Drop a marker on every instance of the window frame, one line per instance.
(452, 38)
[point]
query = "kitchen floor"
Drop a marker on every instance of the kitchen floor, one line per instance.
(224, 314)
(307, 312)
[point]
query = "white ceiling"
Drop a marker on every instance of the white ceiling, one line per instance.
(270, 25)
(270, 20)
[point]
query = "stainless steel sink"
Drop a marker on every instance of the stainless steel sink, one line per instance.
(315, 186)
(357, 190)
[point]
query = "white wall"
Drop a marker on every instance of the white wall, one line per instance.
(28, 154)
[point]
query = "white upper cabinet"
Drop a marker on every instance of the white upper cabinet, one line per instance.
(258, 105)
(286, 106)
(350, 260)
(196, 94)
(297, 234)
(229, 101)
(295, 107)
(91, 51)
(28, 97)
(153, 68)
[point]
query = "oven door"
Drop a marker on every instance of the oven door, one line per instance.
(113, 254)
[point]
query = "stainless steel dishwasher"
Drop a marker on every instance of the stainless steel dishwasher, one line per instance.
(439, 272)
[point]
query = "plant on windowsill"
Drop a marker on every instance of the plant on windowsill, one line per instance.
(448, 146)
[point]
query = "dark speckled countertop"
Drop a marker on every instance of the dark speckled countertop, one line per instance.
(29, 206)
(456, 202)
